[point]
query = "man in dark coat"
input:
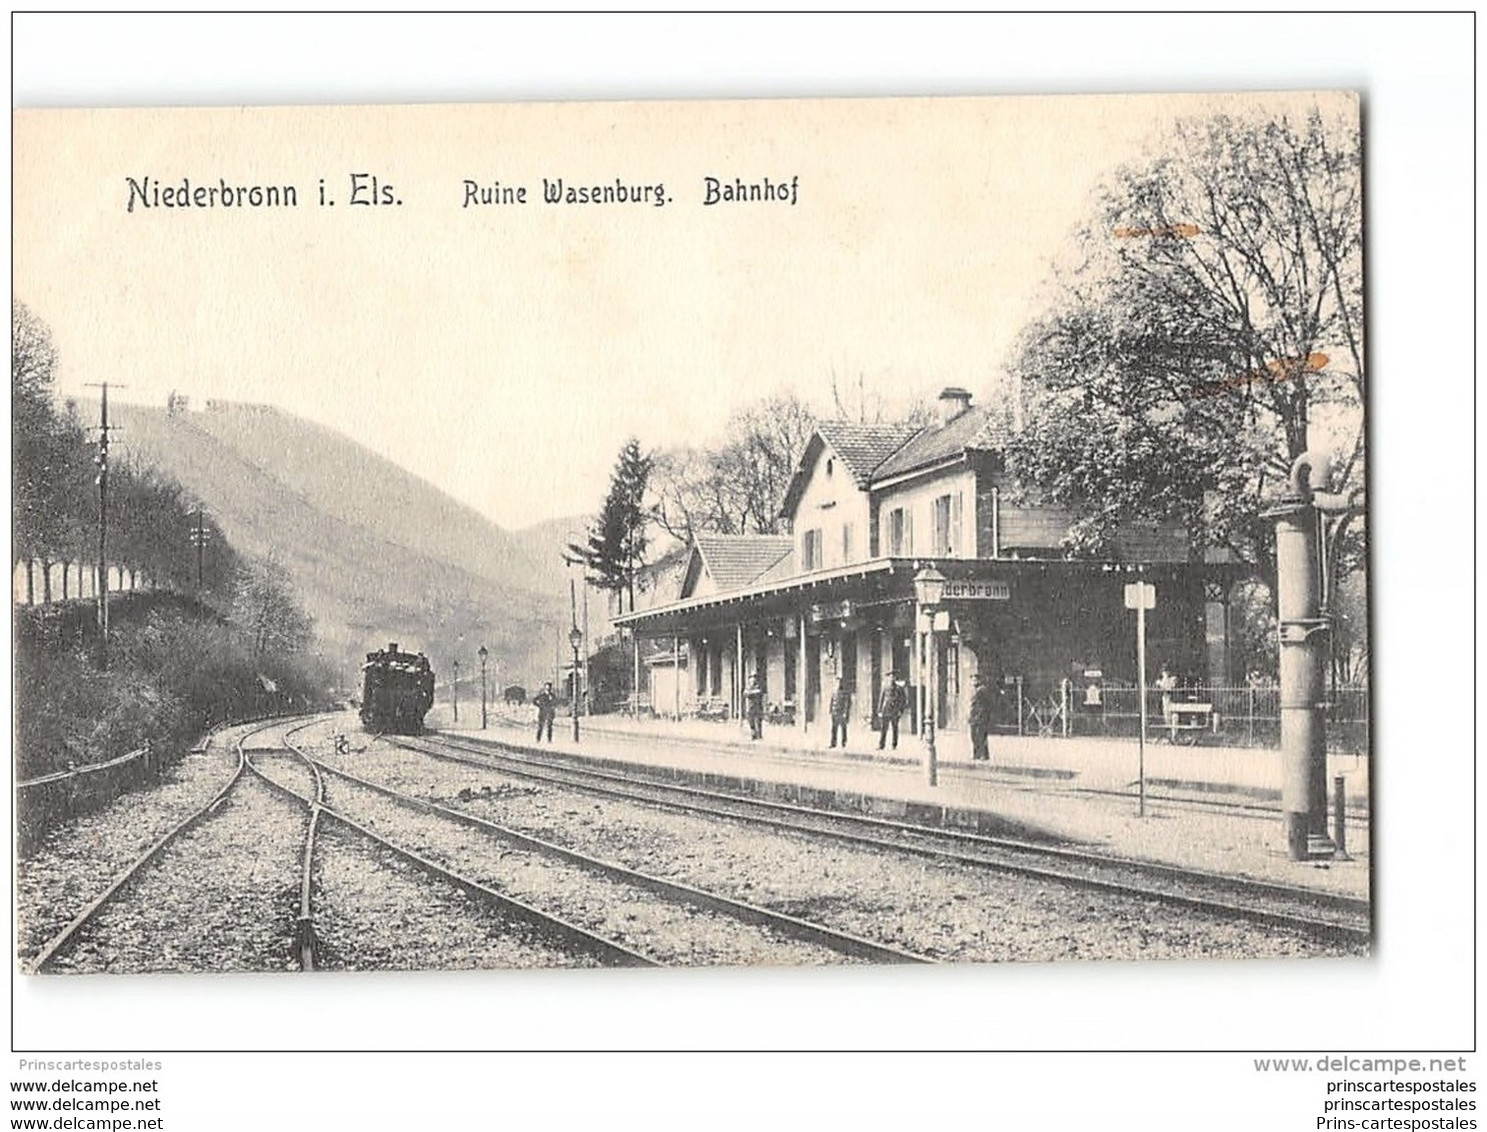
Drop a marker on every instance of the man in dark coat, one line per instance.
(891, 705)
(981, 716)
(754, 708)
(841, 711)
(547, 710)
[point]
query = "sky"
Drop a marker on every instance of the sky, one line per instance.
(506, 352)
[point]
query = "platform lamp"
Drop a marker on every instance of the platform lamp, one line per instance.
(575, 638)
(929, 591)
(455, 691)
(483, 653)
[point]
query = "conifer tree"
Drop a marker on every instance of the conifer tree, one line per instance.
(615, 550)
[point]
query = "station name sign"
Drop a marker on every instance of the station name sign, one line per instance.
(831, 611)
(978, 591)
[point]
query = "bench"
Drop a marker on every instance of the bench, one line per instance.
(717, 710)
(1187, 722)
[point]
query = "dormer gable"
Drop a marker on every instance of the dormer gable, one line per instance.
(721, 563)
(844, 448)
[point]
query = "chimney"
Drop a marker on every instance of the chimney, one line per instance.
(953, 401)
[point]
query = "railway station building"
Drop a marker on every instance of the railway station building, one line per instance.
(869, 507)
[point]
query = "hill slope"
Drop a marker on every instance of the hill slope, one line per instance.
(377, 554)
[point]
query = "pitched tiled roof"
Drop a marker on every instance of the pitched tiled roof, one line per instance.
(784, 568)
(976, 428)
(863, 447)
(735, 561)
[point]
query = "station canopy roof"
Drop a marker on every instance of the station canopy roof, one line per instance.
(865, 586)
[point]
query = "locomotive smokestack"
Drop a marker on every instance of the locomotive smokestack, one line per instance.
(393, 647)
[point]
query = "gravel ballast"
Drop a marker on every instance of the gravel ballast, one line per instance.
(951, 912)
(77, 861)
(222, 897)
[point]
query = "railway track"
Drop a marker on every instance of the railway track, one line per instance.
(1358, 816)
(128, 877)
(839, 944)
(156, 934)
(1339, 920)
(1358, 819)
(551, 930)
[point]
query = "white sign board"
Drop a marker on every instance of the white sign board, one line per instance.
(1141, 595)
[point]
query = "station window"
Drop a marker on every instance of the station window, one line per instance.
(900, 533)
(846, 543)
(947, 525)
(810, 550)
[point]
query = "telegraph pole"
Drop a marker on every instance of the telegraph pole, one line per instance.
(199, 536)
(104, 428)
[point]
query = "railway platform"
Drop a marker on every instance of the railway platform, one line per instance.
(1212, 808)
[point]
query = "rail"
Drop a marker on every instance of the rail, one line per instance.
(1316, 913)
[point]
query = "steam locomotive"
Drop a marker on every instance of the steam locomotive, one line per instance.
(397, 690)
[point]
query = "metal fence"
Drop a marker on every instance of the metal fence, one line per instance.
(1242, 716)
(43, 802)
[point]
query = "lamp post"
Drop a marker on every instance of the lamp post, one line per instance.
(929, 590)
(483, 653)
(575, 542)
(455, 693)
(575, 638)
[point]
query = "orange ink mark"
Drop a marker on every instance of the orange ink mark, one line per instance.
(1282, 369)
(1182, 231)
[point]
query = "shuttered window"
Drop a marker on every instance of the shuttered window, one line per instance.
(900, 533)
(947, 525)
(811, 550)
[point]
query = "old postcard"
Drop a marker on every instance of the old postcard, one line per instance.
(690, 534)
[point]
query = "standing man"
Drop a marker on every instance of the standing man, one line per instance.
(754, 707)
(1167, 685)
(891, 705)
(547, 710)
(981, 716)
(841, 711)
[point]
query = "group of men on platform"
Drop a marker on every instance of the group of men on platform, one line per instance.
(985, 708)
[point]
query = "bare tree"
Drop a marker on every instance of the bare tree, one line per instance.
(737, 486)
(265, 606)
(854, 401)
